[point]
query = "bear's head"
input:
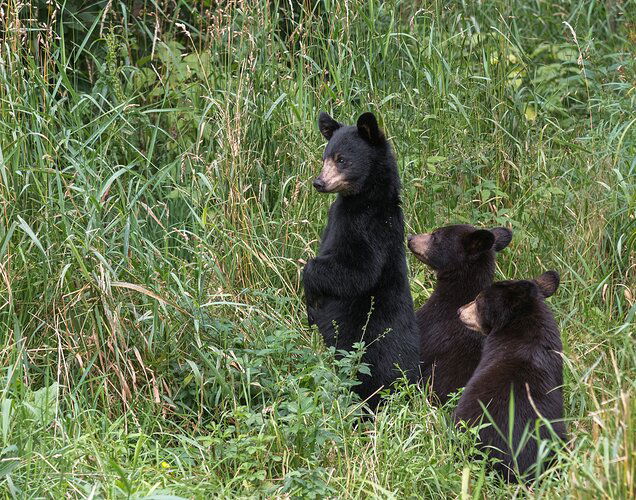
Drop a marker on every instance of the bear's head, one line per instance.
(452, 247)
(505, 301)
(354, 156)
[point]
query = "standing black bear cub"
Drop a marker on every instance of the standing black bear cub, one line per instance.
(522, 357)
(463, 258)
(357, 287)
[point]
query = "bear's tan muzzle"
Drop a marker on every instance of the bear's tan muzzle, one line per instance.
(418, 244)
(469, 316)
(330, 180)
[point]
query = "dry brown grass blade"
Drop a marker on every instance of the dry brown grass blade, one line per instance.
(149, 293)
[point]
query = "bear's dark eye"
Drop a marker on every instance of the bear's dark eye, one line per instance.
(340, 160)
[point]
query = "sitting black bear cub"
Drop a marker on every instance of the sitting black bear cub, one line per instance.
(522, 356)
(357, 288)
(463, 258)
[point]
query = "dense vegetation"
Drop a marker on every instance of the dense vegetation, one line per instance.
(156, 209)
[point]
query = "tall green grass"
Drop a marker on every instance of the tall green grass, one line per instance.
(156, 210)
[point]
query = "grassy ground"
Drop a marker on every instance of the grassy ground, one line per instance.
(156, 208)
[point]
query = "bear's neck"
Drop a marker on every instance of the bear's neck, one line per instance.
(462, 285)
(382, 188)
(378, 201)
(535, 329)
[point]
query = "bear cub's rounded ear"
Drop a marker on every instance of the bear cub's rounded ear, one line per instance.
(369, 129)
(503, 237)
(548, 283)
(327, 125)
(479, 241)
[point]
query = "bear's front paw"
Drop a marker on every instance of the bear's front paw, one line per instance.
(307, 275)
(310, 298)
(307, 269)
(311, 319)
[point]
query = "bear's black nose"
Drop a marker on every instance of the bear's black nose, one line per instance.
(319, 184)
(409, 237)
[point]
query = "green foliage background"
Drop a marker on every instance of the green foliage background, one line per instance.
(156, 209)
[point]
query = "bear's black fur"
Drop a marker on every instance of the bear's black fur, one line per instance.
(463, 259)
(357, 288)
(521, 355)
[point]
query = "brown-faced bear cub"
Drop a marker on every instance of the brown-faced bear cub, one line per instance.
(463, 259)
(521, 356)
(357, 287)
